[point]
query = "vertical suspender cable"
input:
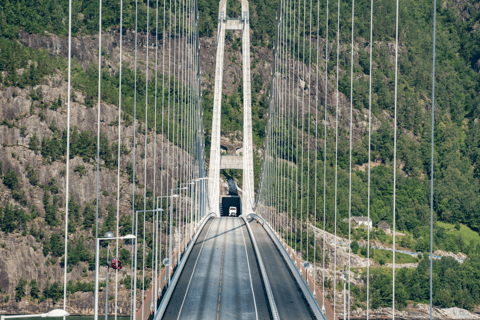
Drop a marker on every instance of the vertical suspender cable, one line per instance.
(316, 151)
(395, 158)
(308, 135)
(163, 132)
(169, 140)
(175, 124)
(302, 132)
(99, 98)
(119, 150)
(146, 154)
(350, 157)
(68, 155)
(431, 156)
(292, 107)
(369, 157)
(297, 130)
(134, 279)
(336, 159)
(325, 160)
(155, 230)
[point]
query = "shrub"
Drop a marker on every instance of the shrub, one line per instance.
(20, 289)
(11, 179)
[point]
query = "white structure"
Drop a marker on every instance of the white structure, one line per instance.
(362, 221)
(217, 161)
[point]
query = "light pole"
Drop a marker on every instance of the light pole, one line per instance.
(170, 235)
(344, 278)
(55, 313)
(191, 183)
(307, 266)
(155, 229)
(97, 266)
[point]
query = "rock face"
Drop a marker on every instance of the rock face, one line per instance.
(19, 251)
(420, 311)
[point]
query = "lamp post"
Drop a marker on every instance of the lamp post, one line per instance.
(155, 231)
(191, 183)
(202, 199)
(170, 236)
(344, 278)
(307, 266)
(97, 266)
(55, 313)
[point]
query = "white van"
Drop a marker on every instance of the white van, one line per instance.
(232, 211)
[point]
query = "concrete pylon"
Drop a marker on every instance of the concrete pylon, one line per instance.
(246, 161)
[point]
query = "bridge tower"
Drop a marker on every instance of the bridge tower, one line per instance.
(245, 161)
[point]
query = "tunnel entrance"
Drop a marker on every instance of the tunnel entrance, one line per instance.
(230, 201)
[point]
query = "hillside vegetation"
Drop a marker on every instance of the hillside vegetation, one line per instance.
(457, 131)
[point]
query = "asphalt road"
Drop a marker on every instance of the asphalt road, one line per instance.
(221, 278)
(289, 299)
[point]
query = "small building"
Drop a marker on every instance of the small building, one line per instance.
(362, 221)
(385, 226)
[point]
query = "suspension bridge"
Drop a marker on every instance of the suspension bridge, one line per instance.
(205, 263)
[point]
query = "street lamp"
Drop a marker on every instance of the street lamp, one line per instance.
(171, 227)
(107, 236)
(55, 313)
(344, 278)
(155, 231)
(307, 266)
(169, 254)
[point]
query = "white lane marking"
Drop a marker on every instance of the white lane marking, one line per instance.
(194, 267)
(249, 273)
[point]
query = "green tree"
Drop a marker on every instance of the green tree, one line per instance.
(34, 143)
(34, 289)
(32, 175)
(20, 289)
(11, 179)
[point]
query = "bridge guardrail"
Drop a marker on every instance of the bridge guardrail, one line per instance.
(296, 273)
(271, 299)
(168, 294)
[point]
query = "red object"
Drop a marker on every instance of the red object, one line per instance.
(116, 264)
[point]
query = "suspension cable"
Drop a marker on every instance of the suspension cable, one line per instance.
(302, 133)
(119, 150)
(147, 34)
(67, 178)
(325, 159)
(431, 156)
(336, 159)
(134, 227)
(316, 152)
(309, 126)
(369, 157)
(296, 146)
(395, 156)
(350, 165)
(155, 228)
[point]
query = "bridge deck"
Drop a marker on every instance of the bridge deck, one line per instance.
(288, 297)
(217, 282)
